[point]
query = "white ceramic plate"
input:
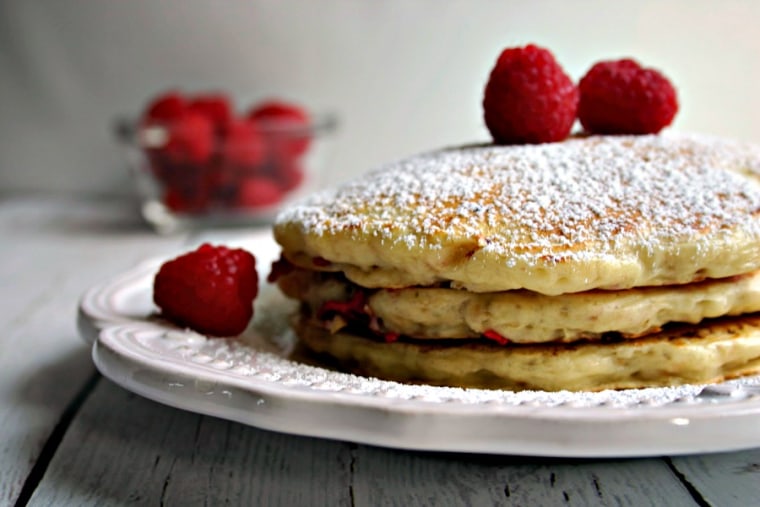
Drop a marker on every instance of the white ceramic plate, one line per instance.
(252, 380)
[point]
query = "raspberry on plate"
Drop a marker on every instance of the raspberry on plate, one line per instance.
(529, 98)
(210, 290)
(622, 97)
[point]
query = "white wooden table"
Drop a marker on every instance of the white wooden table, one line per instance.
(71, 437)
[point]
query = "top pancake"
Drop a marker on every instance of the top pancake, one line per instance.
(610, 212)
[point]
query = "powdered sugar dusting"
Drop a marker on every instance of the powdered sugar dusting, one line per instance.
(544, 201)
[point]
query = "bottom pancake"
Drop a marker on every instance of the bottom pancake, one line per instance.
(687, 354)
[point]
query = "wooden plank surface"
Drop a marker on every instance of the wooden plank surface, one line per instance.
(50, 252)
(386, 477)
(731, 478)
(125, 449)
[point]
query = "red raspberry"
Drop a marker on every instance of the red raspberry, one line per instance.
(163, 109)
(286, 123)
(258, 192)
(243, 145)
(621, 97)
(214, 106)
(186, 195)
(222, 182)
(176, 201)
(189, 138)
(167, 106)
(281, 112)
(289, 175)
(529, 98)
(185, 186)
(210, 290)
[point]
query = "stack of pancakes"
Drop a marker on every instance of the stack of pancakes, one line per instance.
(599, 262)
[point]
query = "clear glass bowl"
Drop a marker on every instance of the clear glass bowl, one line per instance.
(234, 181)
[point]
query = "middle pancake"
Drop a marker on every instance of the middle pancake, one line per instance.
(522, 316)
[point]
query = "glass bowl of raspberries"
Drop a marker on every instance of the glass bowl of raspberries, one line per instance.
(198, 162)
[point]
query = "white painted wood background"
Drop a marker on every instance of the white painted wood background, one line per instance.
(71, 437)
